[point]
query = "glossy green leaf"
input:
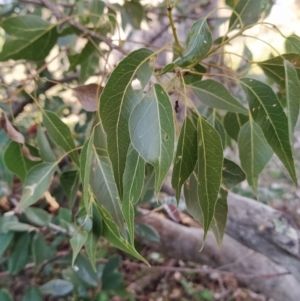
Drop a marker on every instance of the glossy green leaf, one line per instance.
(274, 67)
(198, 44)
(254, 151)
(36, 183)
(210, 162)
(77, 242)
(151, 126)
(147, 232)
(117, 102)
(104, 188)
(69, 181)
(111, 278)
(248, 11)
(5, 295)
(133, 181)
(16, 162)
(186, 155)
(233, 123)
(215, 95)
(218, 224)
(292, 96)
(32, 294)
(292, 44)
(57, 288)
(5, 239)
(232, 174)
(85, 170)
(28, 33)
(19, 253)
(112, 234)
(60, 134)
(40, 250)
(44, 146)
(267, 111)
(37, 216)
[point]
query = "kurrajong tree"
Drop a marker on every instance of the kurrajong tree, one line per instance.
(130, 134)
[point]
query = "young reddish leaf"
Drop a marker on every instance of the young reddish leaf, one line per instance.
(88, 95)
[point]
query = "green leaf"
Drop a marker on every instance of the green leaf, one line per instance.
(36, 183)
(5, 295)
(292, 96)
(27, 35)
(133, 181)
(32, 293)
(77, 242)
(148, 187)
(292, 44)
(57, 288)
(44, 146)
(151, 126)
(19, 254)
(60, 134)
(96, 7)
(248, 11)
(89, 66)
(233, 123)
(112, 234)
(232, 174)
(210, 162)
(186, 155)
(215, 120)
(69, 181)
(218, 224)
(132, 13)
(85, 170)
(117, 102)
(254, 151)
(16, 162)
(168, 68)
(198, 44)
(244, 65)
(85, 271)
(104, 188)
(147, 232)
(40, 250)
(267, 111)
(231, 3)
(111, 278)
(5, 239)
(37, 216)
(215, 95)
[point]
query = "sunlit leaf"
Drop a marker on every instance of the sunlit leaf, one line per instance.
(117, 102)
(254, 151)
(77, 242)
(198, 44)
(232, 174)
(267, 111)
(186, 155)
(152, 132)
(233, 123)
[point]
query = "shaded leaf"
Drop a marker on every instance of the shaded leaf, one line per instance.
(57, 287)
(172, 212)
(147, 232)
(198, 44)
(151, 126)
(233, 123)
(44, 146)
(37, 216)
(214, 120)
(36, 183)
(292, 44)
(132, 13)
(148, 187)
(27, 34)
(111, 278)
(168, 68)
(97, 7)
(32, 293)
(232, 174)
(117, 102)
(267, 111)
(88, 95)
(6, 239)
(77, 242)
(5, 295)
(186, 155)
(69, 181)
(215, 95)
(60, 134)
(254, 151)
(40, 250)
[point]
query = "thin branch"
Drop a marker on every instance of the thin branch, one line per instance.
(63, 17)
(36, 3)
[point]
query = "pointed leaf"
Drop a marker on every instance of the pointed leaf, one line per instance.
(198, 45)
(77, 242)
(151, 126)
(60, 134)
(186, 155)
(248, 12)
(88, 96)
(292, 96)
(27, 34)
(117, 102)
(36, 183)
(233, 123)
(133, 181)
(215, 95)
(210, 162)
(147, 232)
(69, 181)
(268, 113)
(44, 146)
(32, 293)
(232, 174)
(104, 188)
(254, 151)
(292, 44)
